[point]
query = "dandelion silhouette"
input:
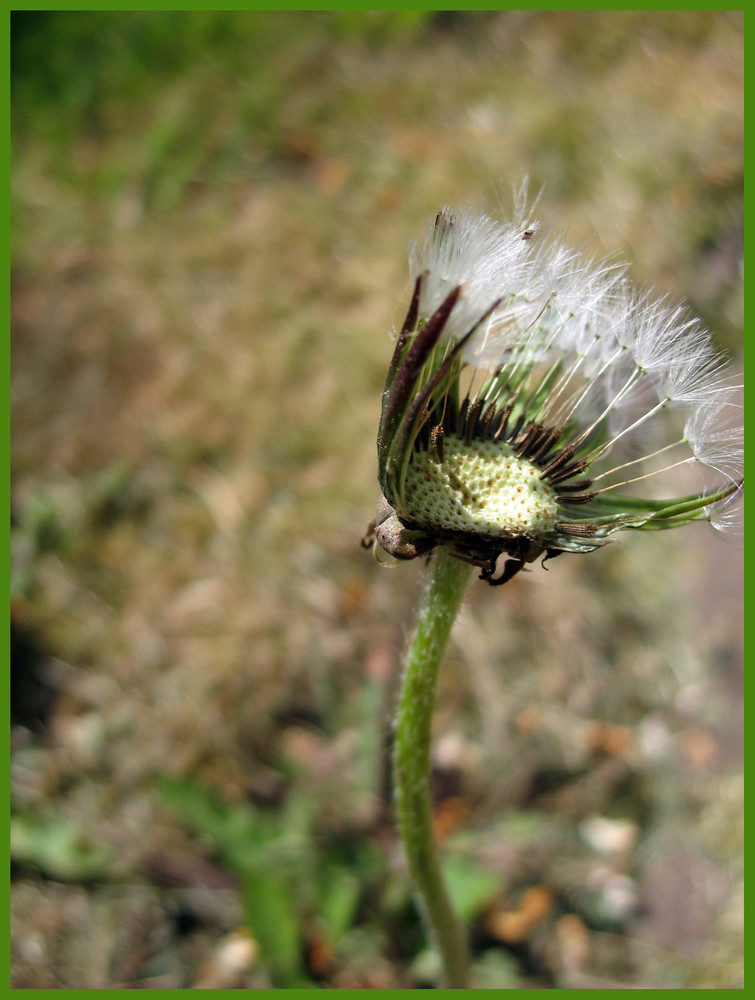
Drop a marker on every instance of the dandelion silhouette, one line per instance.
(535, 404)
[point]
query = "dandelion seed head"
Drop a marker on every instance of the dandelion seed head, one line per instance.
(580, 386)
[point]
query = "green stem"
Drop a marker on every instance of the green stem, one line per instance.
(411, 760)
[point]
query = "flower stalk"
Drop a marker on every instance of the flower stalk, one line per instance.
(411, 761)
(536, 404)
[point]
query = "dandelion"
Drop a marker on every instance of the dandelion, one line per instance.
(536, 404)
(531, 391)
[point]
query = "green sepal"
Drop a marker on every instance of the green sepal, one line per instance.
(615, 513)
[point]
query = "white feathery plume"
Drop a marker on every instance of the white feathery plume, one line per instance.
(631, 352)
(715, 437)
(727, 515)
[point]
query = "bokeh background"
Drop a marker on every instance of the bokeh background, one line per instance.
(211, 214)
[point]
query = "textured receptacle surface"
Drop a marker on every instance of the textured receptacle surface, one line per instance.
(481, 487)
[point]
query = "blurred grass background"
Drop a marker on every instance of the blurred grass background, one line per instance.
(211, 213)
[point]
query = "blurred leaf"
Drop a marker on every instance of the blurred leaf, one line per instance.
(379, 27)
(470, 886)
(338, 898)
(247, 839)
(57, 848)
(270, 856)
(235, 830)
(270, 909)
(495, 970)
